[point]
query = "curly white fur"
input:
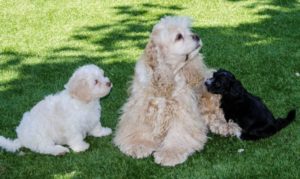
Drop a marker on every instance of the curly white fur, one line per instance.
(65, 118)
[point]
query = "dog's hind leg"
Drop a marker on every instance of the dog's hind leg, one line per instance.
(247, 136)
(57, 150)
(259, 133)
(138, 129)
(41, 144)
(135, 138)
(51, 149)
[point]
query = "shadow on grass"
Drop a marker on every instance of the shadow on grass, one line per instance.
(12, 58)
(279, 3)
(263, 54)
(131, 27)
(36, 80)
(271, 40)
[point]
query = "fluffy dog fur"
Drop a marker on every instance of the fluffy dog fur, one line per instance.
(248, 111)
(162, 115)
(64, 118)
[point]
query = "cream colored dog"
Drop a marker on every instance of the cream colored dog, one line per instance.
(65, 118)
(165, 113)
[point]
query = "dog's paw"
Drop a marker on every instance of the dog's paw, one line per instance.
(100, 131)
(140, 149)
(169, 157)
(234, 129)
(238, 134)
(80, 147)
(60, 150)
(220, 128)
(106, 131)
(103, 132)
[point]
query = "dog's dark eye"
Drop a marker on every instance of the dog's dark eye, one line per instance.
(96, 82)
(179, 37)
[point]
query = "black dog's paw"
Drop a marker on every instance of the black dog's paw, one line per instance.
(246, 136)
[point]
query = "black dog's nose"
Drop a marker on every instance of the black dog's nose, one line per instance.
(206, 83)
(195, 37)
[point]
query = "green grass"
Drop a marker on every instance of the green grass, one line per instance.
(42, 42)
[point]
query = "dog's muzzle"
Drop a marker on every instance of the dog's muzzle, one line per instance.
(208, 82)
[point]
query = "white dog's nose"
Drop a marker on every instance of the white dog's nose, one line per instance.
(108, 84)
(196, 37)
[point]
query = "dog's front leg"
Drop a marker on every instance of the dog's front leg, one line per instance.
(137, 143)
(134, 134)
(179, 144)
(77, 144)
(185, 133)
(223, 128)
(209, 106)
(99, 131)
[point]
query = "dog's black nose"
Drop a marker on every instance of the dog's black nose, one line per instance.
(195, 37)
(206, 83)
(108, 84)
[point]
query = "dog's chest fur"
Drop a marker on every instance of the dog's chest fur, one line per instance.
(233, 108)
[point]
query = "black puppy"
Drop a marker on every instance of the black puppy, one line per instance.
(248, 111)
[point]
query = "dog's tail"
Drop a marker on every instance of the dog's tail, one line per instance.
(281, 123)
(9, 144)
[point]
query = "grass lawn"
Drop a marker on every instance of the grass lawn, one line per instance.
(42, 42)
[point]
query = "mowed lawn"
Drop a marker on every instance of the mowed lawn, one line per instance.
(43, 42)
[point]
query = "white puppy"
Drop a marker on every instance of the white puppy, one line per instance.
(65, 118)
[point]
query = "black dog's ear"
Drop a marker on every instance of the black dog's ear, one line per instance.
(236, 89)
(231, 75)
(226, 73)
(221, 70)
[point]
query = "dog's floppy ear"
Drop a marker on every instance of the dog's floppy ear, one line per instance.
(151, 54)
(79, 89)
(226, 73)
(236, 89)
(221, 70)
